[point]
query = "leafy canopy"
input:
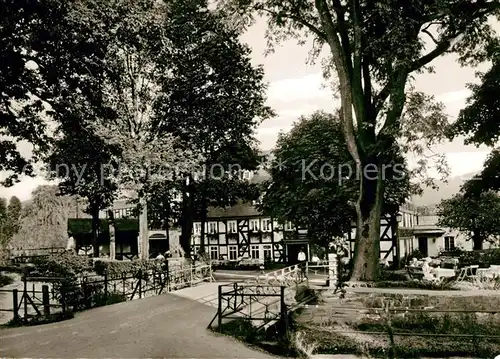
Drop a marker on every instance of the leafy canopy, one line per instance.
(475, 216)
(315, 186)
(479, 122)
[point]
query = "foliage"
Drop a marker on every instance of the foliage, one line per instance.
(415, 284)
(13, 215)
(375, 49)
(118, 269)
(479, 122)
(43, 221)
(78, 159)
(5, 280)
(213, 109)
(63, 264)
(480, 119)
(21, 109)
(108, 299)
(3, 222)
(315, 186)
(482, 258)
(475, 216)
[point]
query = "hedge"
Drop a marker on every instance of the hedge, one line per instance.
(118, 269)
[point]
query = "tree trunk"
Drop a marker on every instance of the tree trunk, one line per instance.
(95, 231)
(112, 237)
(203, 219)
(143, 244)
(367, 248)
(167, 225)
(477, 241)
(187, 220)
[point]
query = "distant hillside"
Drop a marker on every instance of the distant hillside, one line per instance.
(432, 197)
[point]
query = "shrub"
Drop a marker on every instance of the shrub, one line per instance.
(111, 298)
(5, 280)
(61, 265)
(482, 258)
(118, 269)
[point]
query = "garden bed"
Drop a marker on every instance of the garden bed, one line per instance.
(355, 326)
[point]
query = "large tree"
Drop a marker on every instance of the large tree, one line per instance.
(475, 216)
(315, 186)
(479, 122)
(44, 220)
(80, 161)
(376, 47)
(57, 52)
(13, 217)
(3, 222)
(213, 109)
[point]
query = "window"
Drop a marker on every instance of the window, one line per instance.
(246, 174)
(254, 252)
(231, 227)
(288, 226)
(214, 253)
(233, 253)
(266, 225)
(449, 243)
(197, 228)
(254, 225)
(267, 252)
(212, 227)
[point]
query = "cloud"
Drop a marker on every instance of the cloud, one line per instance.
(302, 88)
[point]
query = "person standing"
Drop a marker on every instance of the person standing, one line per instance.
(71, 244)
(302, 262)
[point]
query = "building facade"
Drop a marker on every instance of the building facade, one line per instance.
(241, 232)
(433, 239)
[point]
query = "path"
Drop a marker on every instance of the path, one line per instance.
(166, 326)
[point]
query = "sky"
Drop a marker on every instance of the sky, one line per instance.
(296, 88)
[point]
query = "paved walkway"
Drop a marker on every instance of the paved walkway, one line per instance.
(165, 326)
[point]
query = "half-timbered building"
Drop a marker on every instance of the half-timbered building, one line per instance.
(241, 231)
(397, 239)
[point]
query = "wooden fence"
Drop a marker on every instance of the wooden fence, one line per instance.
(260, 304)
(42, 296)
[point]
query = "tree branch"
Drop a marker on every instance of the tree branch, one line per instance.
(300, 20)
(425, 31)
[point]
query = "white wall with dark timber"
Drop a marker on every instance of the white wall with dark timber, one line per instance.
(249, 237)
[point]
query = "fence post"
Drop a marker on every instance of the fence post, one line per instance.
(392, 349)
(284, 319)
(210, 271)
(219, 310)
(16, 302)
(45, 300)
(63, 298)
(167, 279)
(140, 284)
(25, 294)
(106, 285)
(190, 275)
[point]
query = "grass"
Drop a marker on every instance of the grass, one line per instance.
(352, 334)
